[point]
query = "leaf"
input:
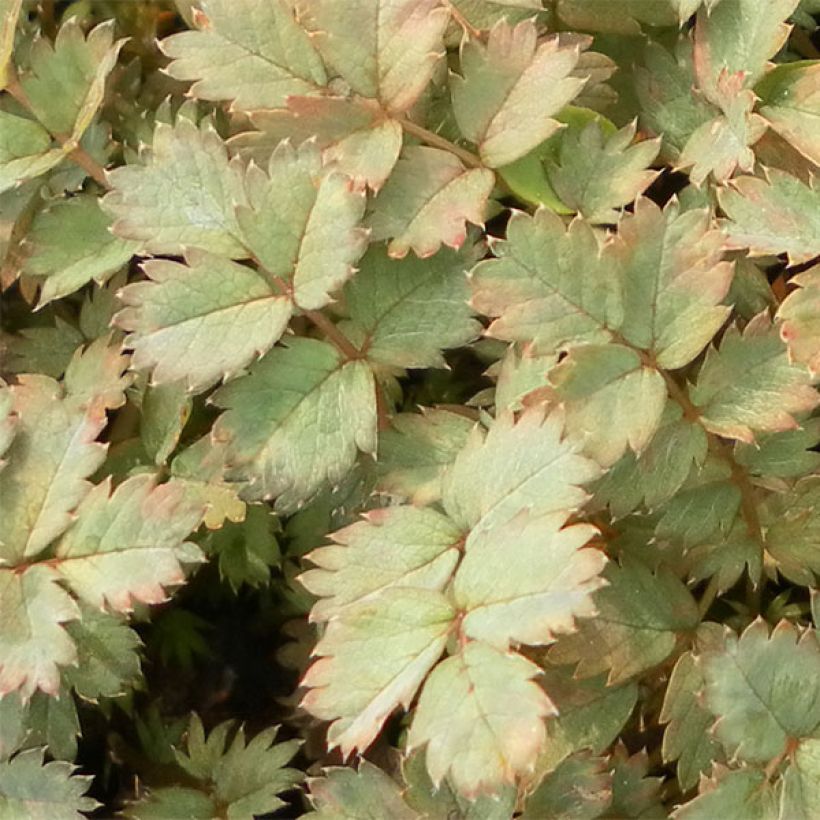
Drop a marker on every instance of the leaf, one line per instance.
(46, 349)
(182, 194)
(297, 420)
(52, 455)
(801, 782)
(633, 793)
(579, 789)
(739, 794)
(526, 464)
(771, 217)
(246, 550)
(639, 617)
(799, 316)
(25, 150)
(9, 13)
(53, 722)
(723, 144)
(611, 399)
(165, 411)
(426, 202)
(108, 663)
(65, 82)
(71, 245)
(570, 300)
(415, 454)
(738, 36)
(302, 223)
(748, 384)
(363, 794)
(33, 642)
(625, 18)
(785, 455)
(393, 547)
(34, 789)
(763, 689)
(128, 546)
(686, 738)
(596, 174)
(201, 321)
(791, 105)
(527, 580)
(408, 310)
(254, 55)
(353, 134)
(387, 646)
(510, 89)
(480, 718)
(521, 378)
(386, 50)
(484, 14)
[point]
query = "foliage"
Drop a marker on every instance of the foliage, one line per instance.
(451, 363)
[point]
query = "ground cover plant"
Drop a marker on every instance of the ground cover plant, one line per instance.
(409, 409)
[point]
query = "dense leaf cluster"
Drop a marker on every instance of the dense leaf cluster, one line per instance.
(474, 344)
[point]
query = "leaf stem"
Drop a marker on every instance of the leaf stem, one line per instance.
(437, 141)
(462, 21)
(73, 151)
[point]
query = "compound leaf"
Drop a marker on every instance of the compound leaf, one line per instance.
(510, 88)
(129, 545)
(201, 321)
(527, 580)
(297, 420)
(302, 223)
(182, 194)
(480, 717)
(387, 646)
(408, 310)
(427, 201)
(386, 49)
(254, 55)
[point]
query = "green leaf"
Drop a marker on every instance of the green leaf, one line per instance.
(165, 410)
(254, 55)
(297, 420)
(763, 689)
(791, 105)
(302, 223)
(674, 281)
(201, 321)
(510, 89)
(25, 150)
(484, 14)
(521, 377)
(799, 316)
(640, 615)
(579, 789)
(351, 133)
(526, 464)
(738, 36)
(108, 663)
(480, 718)
(611, 399)
(363, 794)
(71, 245)
(172, 801)
(527, 580)
(408, 310)
(52, 455)
(65, 82)
(387, 49)
(748, 384)
(597, 174)
(404, 630)
(633, 793)
(427, 201)
(246, 550)
(739, 794)
(182, 194)
(785, 455)
(687, 738)
(626, 17)
(33, 789)
(781, 215)
(127, 546)
(801, 782)
(9, 13)
(571, 299)
(415, 454)
(33, 643)
(393, 547)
